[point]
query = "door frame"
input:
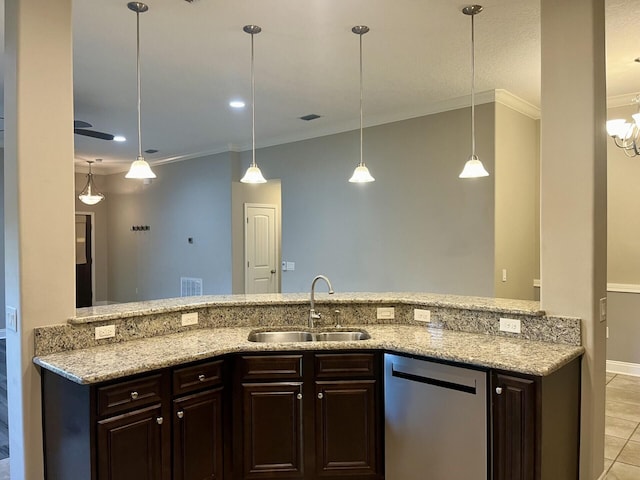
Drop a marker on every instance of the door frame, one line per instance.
(277, 235)
(93, 254)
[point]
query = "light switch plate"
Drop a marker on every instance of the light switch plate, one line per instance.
(603, 309)
(189, 319)
(421, 315)
(510, 325)
(106, 331)
(386, 313)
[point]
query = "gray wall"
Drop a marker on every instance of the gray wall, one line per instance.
(516, 203)
(188, 199)
(417, 228)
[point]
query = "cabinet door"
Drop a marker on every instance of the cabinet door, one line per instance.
(346, 428)
(197, 436)
(130, 446)
(272, 430)
(514, 421)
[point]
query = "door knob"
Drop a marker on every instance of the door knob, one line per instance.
(499, 390)
(134, 395)
(180, 414)
(320, 395)
(273, 271)
(299, 396)
(159, 420)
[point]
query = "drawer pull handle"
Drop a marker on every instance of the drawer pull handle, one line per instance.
(499, 390)
(180, 414)
(320, 395)
(159, 420)
(202, 378)
(134, 395)
(299, 396)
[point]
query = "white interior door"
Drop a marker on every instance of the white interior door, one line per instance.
(261, 248)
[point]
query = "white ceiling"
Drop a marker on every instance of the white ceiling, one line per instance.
(195, 58)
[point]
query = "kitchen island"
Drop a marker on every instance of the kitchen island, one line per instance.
(106, 393)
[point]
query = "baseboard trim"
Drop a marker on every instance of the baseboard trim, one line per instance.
(625, 368)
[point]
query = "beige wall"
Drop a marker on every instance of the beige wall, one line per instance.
(516, 203)
(241, 193)
(624, 204)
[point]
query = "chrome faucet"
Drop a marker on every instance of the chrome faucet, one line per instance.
(312, 313)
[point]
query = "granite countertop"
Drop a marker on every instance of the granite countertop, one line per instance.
(135, 309)
(108, 362)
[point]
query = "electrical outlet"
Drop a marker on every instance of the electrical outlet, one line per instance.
(12, 319)
(510, 325)
(386, 313)
(420, 315)
(189, 319)
(106, 331)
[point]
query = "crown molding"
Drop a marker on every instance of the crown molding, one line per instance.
(623, 100)
(508, 99)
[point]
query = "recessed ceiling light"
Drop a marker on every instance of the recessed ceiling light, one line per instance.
(236, 104)
(119, 138)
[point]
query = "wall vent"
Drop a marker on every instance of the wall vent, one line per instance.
(190, 287)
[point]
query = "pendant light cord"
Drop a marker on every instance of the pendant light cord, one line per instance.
(253, 109)
(361, 122)
(138, 80)
(473, 90)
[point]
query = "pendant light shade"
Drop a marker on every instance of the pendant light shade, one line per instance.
(89, 194)
(361, 173)
(253, 173)
(473, 168)
(139, 168)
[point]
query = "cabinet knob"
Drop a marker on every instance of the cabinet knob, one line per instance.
(320, 395)
(499, 390)
(134, 395)
(299, 396)
(180, 414)
(159, 420)
(201, 377)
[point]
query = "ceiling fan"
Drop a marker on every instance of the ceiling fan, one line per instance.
(82, 128)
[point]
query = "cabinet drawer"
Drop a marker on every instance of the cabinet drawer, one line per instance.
(130, 394)
(195, 377)
(261, 367)
(337, 365)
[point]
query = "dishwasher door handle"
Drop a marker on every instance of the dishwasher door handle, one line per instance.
(433, 381)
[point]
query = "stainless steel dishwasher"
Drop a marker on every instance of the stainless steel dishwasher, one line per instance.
(435, 421)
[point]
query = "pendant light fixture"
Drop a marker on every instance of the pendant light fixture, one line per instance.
(253, 173)
(89, 194)
(473, 168)
(140, 168)
(361, 173)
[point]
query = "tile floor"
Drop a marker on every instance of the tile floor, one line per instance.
(622, 428)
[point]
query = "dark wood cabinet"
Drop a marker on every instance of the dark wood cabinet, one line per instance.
(272, 430)
(198, 436)
(166, 425)
(131, 446)
(309, 416)
(514, 416)
(536, 425)
(346, 424)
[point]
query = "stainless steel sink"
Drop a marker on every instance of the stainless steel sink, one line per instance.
(281, 337)
(306, 336)
(341, 336)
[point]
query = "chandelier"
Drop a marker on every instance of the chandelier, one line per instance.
(626, 135)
